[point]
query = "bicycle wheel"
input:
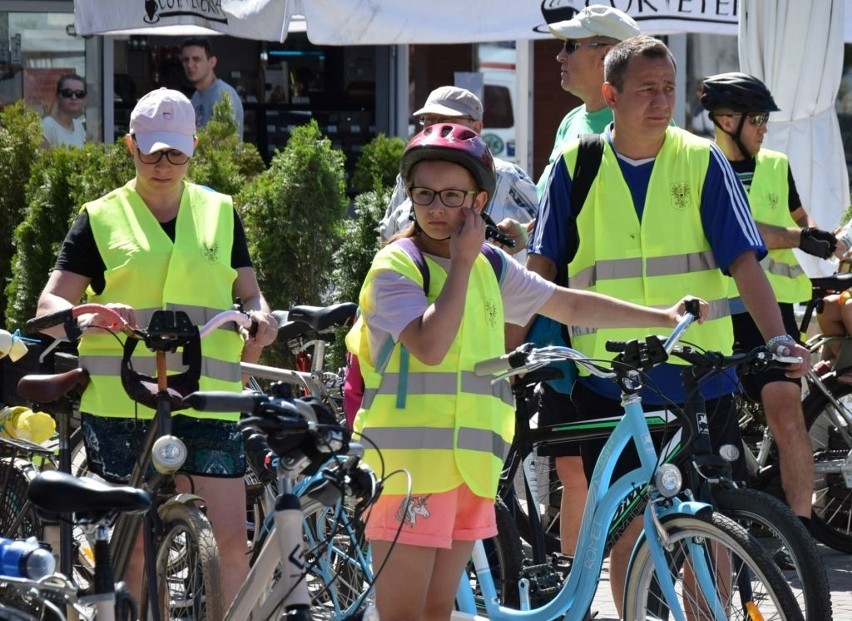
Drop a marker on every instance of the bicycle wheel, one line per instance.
(505, 558)
(747, 584)
(788, 542)
(831, 521)
(18, 518)
(189, 574)
(337, 560)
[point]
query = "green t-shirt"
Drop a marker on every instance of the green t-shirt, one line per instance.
(575, 124)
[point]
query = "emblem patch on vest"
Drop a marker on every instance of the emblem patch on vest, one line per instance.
(491, 313)
(773, 199)
(408, 512)
(680, 195)
(210, 252)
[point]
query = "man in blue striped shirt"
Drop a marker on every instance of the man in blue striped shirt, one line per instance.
(641, 152)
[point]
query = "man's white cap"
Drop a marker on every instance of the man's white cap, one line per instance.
(596, 20)
(164, 119)
(452, 101)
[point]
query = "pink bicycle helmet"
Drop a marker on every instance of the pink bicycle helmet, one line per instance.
(455, 143)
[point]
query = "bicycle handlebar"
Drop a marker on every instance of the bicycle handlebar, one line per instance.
(527, 357)
(118, 323)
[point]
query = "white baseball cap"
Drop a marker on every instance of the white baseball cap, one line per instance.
(452, 101)
(596, 20)
(164, 119)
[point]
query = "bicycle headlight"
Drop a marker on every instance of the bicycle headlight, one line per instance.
(168, 454)
(668, 480)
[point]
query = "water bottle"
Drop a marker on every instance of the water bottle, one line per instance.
(25, 559)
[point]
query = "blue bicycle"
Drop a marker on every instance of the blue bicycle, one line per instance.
(689, 563)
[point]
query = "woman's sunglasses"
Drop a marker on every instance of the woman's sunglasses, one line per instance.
(69, 93)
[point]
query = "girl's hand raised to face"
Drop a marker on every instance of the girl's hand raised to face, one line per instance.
(467, 240)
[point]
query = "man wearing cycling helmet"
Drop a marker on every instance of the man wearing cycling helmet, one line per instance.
(664, 215)
(739, 105)
(421, 405)
(514, 196)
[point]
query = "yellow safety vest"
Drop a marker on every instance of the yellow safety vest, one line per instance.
(654, 262)
(146, 270)
(769, 197)
(442, 423)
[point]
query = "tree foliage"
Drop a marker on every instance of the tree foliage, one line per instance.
(20, 140)
(293, 214)
(378, 164)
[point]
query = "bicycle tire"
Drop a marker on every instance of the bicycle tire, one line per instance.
(831, 520)
(189, 572)
(770, 591)
(505, 558)
(777, 528)
(17, 473)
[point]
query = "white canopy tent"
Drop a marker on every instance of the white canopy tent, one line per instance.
(796, 48)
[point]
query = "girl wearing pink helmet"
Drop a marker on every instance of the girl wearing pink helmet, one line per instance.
(422, 406)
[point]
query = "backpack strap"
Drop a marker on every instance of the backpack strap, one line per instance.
(407, 244)
(496, 259)
(586, 168)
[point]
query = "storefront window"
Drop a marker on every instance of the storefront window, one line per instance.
(42, 46)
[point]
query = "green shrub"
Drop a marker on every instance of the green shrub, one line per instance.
(293, 215)
(20, 140)
(378, 164)
(60, 183)
(222, 161)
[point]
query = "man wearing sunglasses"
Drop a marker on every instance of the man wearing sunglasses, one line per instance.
(587, 37)
(514, 196)
(739, 106)
(64, 125)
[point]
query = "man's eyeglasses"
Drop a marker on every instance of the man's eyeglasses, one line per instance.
(69, 93)
(431, 119)
(449, 197)
(178, 158)
(755, 119)
(571, 45)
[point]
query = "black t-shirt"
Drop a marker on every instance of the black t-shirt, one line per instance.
(79, 253)
(745, 172)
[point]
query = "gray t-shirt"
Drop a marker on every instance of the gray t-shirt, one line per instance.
(402, 300)
(203, 103)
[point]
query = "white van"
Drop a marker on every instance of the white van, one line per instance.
(497, 66)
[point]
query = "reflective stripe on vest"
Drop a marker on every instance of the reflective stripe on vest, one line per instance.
(439, 384)
(441, 423)
(147, 271)
(768, 197)
(655, 261)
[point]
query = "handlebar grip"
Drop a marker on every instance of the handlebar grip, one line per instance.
(693, 307)
(37, 324)
(492, 366)
(616, 347)
(222, 401)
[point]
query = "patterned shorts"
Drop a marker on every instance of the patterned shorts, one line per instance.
(215, 447)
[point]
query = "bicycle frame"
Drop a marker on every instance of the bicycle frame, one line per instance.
(608, 505)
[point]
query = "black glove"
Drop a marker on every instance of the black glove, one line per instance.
(818, 243)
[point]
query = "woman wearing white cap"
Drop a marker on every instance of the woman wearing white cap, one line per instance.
(162, 241)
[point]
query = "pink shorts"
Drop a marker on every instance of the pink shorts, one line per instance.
(432, 520)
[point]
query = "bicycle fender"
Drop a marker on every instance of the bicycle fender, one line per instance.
(688, 507)
(185, 498)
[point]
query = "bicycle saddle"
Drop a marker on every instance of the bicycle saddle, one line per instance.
(50, 388)
(54, 492)
(323, 317)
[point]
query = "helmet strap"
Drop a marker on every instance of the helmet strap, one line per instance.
(735, 135)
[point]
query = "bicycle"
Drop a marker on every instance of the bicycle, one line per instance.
(92, 506)
(182, 573)
(678, 534)
(310, 561)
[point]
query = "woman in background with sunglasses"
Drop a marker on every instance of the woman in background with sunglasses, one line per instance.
(64, 125)
(739, 106)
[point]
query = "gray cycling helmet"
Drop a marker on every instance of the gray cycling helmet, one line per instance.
(737, 91)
